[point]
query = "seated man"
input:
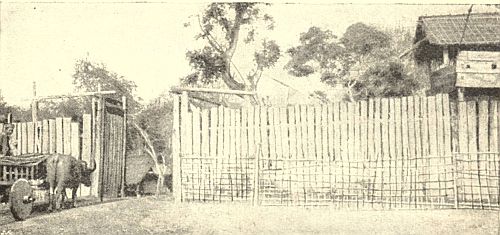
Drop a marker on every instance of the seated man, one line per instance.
(6, 147)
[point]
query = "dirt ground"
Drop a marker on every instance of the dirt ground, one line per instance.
(162, 216)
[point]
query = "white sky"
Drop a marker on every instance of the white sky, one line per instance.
(147, 42)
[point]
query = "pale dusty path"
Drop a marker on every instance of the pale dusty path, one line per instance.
(151, 216)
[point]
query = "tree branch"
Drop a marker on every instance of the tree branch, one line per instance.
(150, 150)
(211, 40)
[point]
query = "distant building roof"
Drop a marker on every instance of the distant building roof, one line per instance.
(482, 28)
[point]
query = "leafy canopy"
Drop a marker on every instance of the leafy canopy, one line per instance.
(222, 25)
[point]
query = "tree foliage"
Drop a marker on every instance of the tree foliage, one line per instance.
(363, 49)
(89, 75)
(361, 40)
(222, 26)
(385, 79)
(318, 52)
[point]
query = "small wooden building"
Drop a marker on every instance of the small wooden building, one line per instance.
(459, 52)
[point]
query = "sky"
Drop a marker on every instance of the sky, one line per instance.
(147, 42)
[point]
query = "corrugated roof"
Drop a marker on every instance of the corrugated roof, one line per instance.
(482, 28)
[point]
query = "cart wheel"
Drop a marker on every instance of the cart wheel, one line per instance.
(21, 199)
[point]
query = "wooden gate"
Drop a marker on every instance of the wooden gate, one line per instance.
(110, 135)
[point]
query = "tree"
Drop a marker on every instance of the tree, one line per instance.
(154, 124)
(318, 52)
(222, 26)
(364, 50)
(385, 79)
(88, 76)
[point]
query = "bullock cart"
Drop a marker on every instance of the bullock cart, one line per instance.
(22, 182)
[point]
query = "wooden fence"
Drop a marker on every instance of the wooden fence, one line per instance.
(100, 136)
(410, 152)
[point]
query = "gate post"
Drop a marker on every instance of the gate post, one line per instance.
(176, 144)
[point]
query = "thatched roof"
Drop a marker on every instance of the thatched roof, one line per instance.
(482, 29)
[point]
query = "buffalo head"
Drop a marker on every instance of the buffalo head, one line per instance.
(86, 171)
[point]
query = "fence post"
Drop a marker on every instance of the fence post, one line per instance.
(176, 174)
(124, 145)
(255, 198)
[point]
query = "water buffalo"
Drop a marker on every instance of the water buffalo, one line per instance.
(64, 171)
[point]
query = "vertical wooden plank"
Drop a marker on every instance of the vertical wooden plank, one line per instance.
(330, 131)
(405, 170)
(227, 132)
(256, 129)
(30, 145)
(434, 144)
(423, 162)
(277, 132)
(463, 146)
(293, 132)
(264, 127)
(483, 145)
(472, 142)
(272, 133)
(440, 146)
(19, 137)
(447, 148)
(45, 136)
(176, 149)
(52, 136)
(97, 188)
(183, 122)
(386, 190)
(311, 145)
(336, 130)
(284, 126)
(244, 132)
(418, 127)
(344, 135)
(398, 147)
(67, 136)
(253, 129)
(59, 136)
(196, 131)
(123, 154)
(232, 133)
(351, 130)
(304, 135)
(205, 143)
(411, 144)
(75, 140)
(86, 147)
(493, 147)
(324, 131)
(317, 132)
(447, 125)
(300, 137)
(370, 131)
(220, 132)
(363, 130)
(24, 137)
(213, 131)
(483, 126)
(38, 136)
(439, 124)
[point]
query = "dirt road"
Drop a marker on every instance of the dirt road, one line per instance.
(162, 216)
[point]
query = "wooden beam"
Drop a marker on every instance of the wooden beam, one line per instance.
(179, 90)
(93, 93)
